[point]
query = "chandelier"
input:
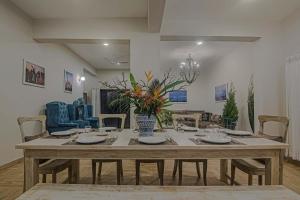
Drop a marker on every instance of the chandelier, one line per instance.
(189, 70)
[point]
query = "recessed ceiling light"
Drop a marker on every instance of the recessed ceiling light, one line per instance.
(106, 44)
(199, 43)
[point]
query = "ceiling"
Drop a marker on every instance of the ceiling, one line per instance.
(230, 10)
(114, 56)
(74, 9)
(173, 53)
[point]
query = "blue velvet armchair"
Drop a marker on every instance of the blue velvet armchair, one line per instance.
(85, 112)
(58, 118)
(73, 113)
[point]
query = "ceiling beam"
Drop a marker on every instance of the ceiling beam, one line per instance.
(208, 38)
(155, 15)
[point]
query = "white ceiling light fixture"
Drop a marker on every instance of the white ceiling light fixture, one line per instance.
(82, 78)
(105, 44)
(189, 70)
(199, 43)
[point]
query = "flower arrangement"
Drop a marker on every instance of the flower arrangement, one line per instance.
(148, 97)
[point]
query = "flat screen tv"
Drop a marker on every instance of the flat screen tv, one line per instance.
(178, 96)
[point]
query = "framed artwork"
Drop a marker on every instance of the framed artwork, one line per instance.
(33, 74)
(221, 93)
(68, 82)
(178, 96)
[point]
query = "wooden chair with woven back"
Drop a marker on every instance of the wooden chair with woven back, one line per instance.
(256, 167)
(159, 163)
(178, 164)
(53, 166)
(102, 117)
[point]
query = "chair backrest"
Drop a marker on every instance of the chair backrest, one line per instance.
(22, 120)
(194, 116)
(112, 116)
(57, 112)
(268, 118)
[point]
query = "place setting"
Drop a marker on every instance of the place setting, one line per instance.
(152, 140)
(213, 136)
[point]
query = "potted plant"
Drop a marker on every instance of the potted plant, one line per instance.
(230, 111)
(147, 97)
(251, 103)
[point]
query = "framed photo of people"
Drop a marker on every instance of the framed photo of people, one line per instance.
(33, 74)
(68, 81)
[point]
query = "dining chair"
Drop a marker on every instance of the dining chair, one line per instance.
(159, 163)
(256, 167)
(178, 163)
(102, 117)
(53, 166)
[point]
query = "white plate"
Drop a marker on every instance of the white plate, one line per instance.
(90, 139)
(152, 140)
(63, 133)
(96, 133)
(188, 128)
(107, 129)
(239, 133)
(216, 140)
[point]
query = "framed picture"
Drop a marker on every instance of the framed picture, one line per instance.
(33, 74)
(68, 81)
(178, 96)
(221, 93)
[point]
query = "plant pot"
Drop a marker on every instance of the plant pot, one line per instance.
(145, 124)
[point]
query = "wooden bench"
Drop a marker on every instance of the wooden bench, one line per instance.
(93, 192)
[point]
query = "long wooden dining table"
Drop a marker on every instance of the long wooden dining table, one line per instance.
(182, 147)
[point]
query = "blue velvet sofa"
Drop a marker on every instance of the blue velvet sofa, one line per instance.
(58, 118)
(85, 112)
(62, 116)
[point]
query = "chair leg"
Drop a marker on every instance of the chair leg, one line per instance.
(249, 179)
(70, 174)
(53, 177)
(205, 172)
(158, 168)
(260, 180)
(119, 172)
(137, 172)
(121, 164)
(232, 177)
(198, 170)
(99, 169)
(175, 168)
(44, 180)
(161, 168)
(94, 171)
(180, 172)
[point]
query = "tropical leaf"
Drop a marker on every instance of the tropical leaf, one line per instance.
(132, 80)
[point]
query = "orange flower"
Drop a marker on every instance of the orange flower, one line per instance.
(156, 93)
(149, 76)
(137, 91)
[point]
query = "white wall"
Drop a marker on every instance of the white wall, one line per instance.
(111, 75)
(291, 32)
(17, 99)
(237, 67)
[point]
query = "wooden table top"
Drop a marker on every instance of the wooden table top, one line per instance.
(98, 192)
(181, 138)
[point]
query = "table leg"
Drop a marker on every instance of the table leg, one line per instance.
(223, 170)
(31, 175)
(273, 173)
(281, 159)
(75, 171)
